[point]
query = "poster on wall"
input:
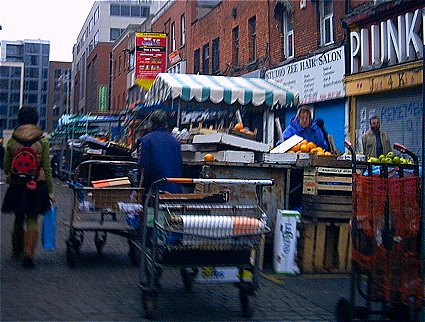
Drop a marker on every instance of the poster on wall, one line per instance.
(151, 56)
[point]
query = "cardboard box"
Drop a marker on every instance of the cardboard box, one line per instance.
(115, 182)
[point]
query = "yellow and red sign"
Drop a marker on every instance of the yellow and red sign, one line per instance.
(151, 56)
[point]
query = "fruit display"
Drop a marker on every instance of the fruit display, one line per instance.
(209, 157)
(239, 128)
(390, 158)
(309, 147)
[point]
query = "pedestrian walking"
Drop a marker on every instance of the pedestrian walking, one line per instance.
(160, 154)
(30, 190)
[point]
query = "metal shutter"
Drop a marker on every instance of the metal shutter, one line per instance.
(400, 113)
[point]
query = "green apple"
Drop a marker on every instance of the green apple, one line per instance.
(374, 160)
(390, 155)
(388, 160)
(382, 157)
(396, 160)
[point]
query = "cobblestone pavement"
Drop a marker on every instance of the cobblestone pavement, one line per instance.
(105, 287)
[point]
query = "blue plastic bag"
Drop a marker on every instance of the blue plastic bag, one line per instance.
(48, 235)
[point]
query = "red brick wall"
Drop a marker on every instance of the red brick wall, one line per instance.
(173, 14)
(119, 75)
(98, 72)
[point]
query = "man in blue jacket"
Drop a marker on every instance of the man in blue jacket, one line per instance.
(160, 154)
(303, 125)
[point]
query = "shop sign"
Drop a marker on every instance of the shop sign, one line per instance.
(174, 57)
(103, 98)
(151, 55)
(396, 79)
(390, 42)
(318, 78)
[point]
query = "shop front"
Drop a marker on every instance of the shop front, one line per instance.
(386, 80)
(319, 81)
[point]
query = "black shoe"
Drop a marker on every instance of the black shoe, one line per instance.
(28, 262)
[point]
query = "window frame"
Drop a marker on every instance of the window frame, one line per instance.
(326, 23)
(182, 30)
(197, 61)
(206, 59)
(173, 36)
(215, 59)
(288, 35)
(235, 46)
(252, 34)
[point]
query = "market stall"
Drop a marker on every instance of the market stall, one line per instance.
(78, 138)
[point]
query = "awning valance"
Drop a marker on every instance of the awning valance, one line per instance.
(217, 89)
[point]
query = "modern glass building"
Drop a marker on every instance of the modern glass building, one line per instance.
(24, 71)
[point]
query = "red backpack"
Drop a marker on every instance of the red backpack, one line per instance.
(25, 167)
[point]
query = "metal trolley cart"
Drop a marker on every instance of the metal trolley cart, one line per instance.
(113, 206)
(190, 231)
(386, 239)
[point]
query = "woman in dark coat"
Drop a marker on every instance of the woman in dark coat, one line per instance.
(27, 201)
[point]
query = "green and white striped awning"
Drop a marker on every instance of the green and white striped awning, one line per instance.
(217, 89)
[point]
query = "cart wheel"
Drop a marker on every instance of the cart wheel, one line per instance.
(150, 304)
(99, 241)
(188, 277)
(134, 254)
(343, 310)
(71, 255)
(247, 310)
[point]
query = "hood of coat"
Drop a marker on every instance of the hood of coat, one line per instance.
(27, 132)
(295, 123)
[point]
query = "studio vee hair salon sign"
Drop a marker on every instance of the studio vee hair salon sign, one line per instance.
(393, 41)
(317, 78)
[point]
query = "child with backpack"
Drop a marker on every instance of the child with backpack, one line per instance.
(29, 175)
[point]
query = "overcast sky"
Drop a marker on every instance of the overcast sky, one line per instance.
(58, 21)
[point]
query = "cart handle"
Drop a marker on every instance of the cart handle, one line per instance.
(403, 149)
(263, 182)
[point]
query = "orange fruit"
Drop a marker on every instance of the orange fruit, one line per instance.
(313, 150)
(311, 145)
(238, 127)
(327, 153)
(319, 148)
(304, 147)
(295, 148)
(320, 153)
(209, 157)
(304, 142)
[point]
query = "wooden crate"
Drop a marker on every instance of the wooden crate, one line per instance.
(327, 206)
(322, 180)
(324, 247)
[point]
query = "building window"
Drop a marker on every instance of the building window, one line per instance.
(125, 10)
(288, 35)
(235, 49)
(96, 15)
(91, 24)
(58, 72)
(115, 9)
(96, 38)
(182, 30)
(215, 56)
(135, 11)
(206, 59)
(196, 61)
(145, 11)
(252, 27)
(326, 22)
(173, 36)
(114, 34)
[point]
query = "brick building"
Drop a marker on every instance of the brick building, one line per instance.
(98, 79)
